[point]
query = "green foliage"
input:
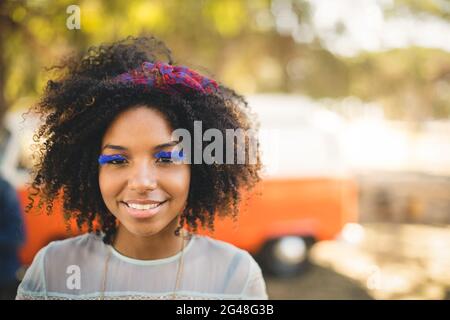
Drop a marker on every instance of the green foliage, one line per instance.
(235, 40)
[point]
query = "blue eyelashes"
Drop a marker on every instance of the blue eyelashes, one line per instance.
(104, 159)
(162, 156)
(168, 155)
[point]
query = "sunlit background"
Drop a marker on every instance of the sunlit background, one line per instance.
(357, 91)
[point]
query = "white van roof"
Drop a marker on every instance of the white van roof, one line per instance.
(299, 137)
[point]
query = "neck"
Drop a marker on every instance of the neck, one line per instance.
(159, 246)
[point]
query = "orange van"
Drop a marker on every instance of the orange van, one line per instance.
(306, 195)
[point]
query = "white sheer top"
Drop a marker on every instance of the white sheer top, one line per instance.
(75, 269)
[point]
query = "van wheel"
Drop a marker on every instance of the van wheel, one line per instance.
(286, 256)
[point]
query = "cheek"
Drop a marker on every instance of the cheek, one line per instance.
(174, 182)
(108, 185)
(177, 183)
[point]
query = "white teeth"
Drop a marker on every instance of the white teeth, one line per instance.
(143, 206)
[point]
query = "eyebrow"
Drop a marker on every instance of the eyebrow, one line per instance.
(159, 146)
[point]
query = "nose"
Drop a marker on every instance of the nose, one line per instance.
(143, 177)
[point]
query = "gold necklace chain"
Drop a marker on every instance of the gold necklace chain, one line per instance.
(180, 267)
(178, 276)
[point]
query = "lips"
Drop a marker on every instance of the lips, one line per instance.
(142, 201)
(142, 208)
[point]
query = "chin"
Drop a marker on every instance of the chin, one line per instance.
(148, 227)
(143, 231)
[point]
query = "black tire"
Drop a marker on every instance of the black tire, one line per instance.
(275, 263)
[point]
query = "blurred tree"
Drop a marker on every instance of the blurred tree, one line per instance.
(5, 25)
(440, 8)
(27, 30)
(251, 45)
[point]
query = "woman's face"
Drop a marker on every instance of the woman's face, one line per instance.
(142, 189)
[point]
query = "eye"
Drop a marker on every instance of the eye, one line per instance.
(115, 159)
(168, 157)
(164, 160)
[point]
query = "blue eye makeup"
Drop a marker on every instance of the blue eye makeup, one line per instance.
(168, 155)
(163, 156)
(114, 159)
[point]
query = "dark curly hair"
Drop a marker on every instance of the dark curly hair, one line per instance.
(81, 102)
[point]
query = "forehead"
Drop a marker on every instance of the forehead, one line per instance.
(138, 126)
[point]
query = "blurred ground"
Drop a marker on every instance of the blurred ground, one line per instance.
(401, 249)
(390, 262)
(316, 283)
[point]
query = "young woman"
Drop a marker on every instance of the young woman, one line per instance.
(108, 150)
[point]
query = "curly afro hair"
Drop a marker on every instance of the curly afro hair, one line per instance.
(81, 102)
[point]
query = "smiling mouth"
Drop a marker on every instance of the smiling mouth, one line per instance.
(149, 206)
(142, 211)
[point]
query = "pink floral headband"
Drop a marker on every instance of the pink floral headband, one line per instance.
(168, 78)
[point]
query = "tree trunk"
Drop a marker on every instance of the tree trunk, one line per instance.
(3, 26)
